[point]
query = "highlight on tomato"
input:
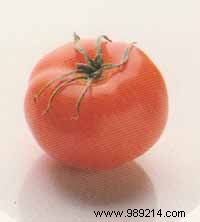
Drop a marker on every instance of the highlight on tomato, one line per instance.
(96, 104)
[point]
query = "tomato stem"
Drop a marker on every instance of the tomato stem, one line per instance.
(90, 71)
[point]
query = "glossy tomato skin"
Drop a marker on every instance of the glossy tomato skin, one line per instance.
(121, 116)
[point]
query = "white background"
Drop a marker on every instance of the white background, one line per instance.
(33, 188)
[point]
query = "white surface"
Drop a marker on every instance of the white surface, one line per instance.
(5, 218)
(33, 187)
(193, 216)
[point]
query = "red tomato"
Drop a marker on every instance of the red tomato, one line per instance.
(121, 115)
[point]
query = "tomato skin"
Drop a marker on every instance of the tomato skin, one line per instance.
(121, 117)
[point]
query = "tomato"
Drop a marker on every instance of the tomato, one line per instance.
(96, 121)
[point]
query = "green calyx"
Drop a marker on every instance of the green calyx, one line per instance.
(89, 71)
(94, 68)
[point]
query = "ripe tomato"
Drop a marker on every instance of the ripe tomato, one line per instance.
(123, 109)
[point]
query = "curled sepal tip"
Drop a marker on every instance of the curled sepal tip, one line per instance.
(124, 58)
(99, 56)
(81, 50)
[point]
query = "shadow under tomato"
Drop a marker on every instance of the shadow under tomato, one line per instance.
(53, 193)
